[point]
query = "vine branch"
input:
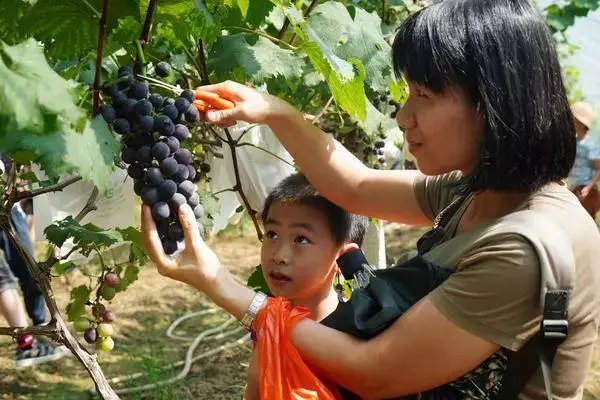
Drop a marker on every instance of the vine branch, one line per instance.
(145, 35)
(202, 63)
(238, 184)
(26, 194)
(323, 111)
(99, 51)
(89, 206)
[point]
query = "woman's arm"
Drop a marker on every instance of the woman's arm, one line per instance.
(421, 350)
(335, 172)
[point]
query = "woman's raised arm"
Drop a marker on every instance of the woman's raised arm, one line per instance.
(335, 172)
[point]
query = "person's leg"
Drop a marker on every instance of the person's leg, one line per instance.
(32, 294)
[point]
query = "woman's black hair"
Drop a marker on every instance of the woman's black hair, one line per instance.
(503, 57)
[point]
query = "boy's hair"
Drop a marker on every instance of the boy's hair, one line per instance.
(296, 189)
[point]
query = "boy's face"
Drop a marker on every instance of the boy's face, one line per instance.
(298, 252)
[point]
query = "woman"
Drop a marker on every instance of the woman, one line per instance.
(585, 174)
(487, 118)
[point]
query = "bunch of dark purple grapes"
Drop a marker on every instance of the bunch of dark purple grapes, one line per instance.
(152, 130)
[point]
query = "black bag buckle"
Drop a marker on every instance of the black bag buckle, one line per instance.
(555, 329)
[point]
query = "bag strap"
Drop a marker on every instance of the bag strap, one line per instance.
(557, 267)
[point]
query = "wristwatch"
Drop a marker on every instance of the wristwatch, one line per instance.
(257, 302)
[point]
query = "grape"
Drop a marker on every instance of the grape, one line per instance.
(111, 280)
(181, 118)
(119, 99)
(136, 171)
(379, 144)
(182, 104)
(107, 292)
(122, 126)
(182, 173)
(146, 124)
(169, 246)
(81, 324)
(196, 178)
(125, 81)
(160, 211)
(138, 90)
(168, 101)
(98, 309)
(108, 113)
(164, 125)
(90, 335)
(204, 167)
(192, 171)
(110, 90)
(156, 100)
(153, 176)
(167, 189)
(181, 132)
(194, 200)
(381, 160)
(172, 142)
(171, 111)
(192, 115)
(198, 211)
(143, 107)
(162, 69)
(189, 95)
(168, 166)
(160, 151)
(138, 186)
(176, 232)
(108, 316)
(162, 226)
(129, 155)
(150, 195)
(105, 330)
(125, 70)
(128, 109)
(183, 156)
(106, 344)
(144, 154)
(177, 201)
(186, 188)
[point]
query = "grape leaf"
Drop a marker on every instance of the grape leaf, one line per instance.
(90, 153)
(260, 61)
(257, 281)
(138, 251)
(11, 12)
(33, 98)
(88, 236)
(254, 16)
(242, 4)
(79, 296)
(129, 276)
(376, 122)
(62, 267)
(359, 38)
(344, 77)
(69, 28)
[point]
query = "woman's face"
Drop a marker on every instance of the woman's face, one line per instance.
(443, 131)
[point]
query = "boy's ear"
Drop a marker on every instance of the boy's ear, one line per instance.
(346, 247)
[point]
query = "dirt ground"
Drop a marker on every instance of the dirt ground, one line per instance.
(145, 311)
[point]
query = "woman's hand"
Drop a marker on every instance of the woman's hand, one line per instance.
(197, 265)
(250, 105)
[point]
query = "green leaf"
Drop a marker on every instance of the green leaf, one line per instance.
(255, 15)
(11, 12)
(79, 296)
(32, 96)
(257, 281)
(129, 276)
(69, 28)
(87, 236)
(90, 153)
(345, 77)
(260, 61)
(138, 251)
(376, 122)
(60, 267)
(359, 38)
(242, 4)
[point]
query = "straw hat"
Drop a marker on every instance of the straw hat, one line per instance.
(583, 112)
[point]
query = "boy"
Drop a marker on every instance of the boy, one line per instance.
(304, 235)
